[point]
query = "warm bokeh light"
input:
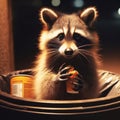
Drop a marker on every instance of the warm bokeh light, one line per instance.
(119, 11)
(55, 2)
(78, 3)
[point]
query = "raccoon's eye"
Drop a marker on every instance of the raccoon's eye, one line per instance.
(60, 36)
(76, 36)
(80, 40)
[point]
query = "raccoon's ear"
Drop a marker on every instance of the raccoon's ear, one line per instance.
(48, 17)
(89, 15)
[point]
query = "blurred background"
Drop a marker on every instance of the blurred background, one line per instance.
(26, 28)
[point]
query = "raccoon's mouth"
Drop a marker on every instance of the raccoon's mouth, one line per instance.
(68, 57)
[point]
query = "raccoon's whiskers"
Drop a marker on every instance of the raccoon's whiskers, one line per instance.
(86, 52)
(51, 52)
(84, 56)
(54, 55)
(87, 45)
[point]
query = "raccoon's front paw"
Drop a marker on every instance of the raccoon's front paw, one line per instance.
(63, 73)
(78, 83)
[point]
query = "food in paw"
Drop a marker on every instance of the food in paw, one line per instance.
(69, 83)
(73, 73)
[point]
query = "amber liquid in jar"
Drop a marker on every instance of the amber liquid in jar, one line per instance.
(22, 86)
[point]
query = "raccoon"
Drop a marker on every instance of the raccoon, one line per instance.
(67, 40)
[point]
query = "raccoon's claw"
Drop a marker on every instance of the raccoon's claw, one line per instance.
(63, 74)
(77, 83)
(64, 77)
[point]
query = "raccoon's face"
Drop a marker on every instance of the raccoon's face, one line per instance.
(68, 35)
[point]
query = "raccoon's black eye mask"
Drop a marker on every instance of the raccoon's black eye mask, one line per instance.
(61, 36)
(82, 41)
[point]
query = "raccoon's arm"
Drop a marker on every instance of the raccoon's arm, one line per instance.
(52, 86)
(49, 87)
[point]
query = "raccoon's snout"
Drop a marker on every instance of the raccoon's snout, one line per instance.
(68, 51)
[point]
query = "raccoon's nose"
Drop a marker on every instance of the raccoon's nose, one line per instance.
(68, 51)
